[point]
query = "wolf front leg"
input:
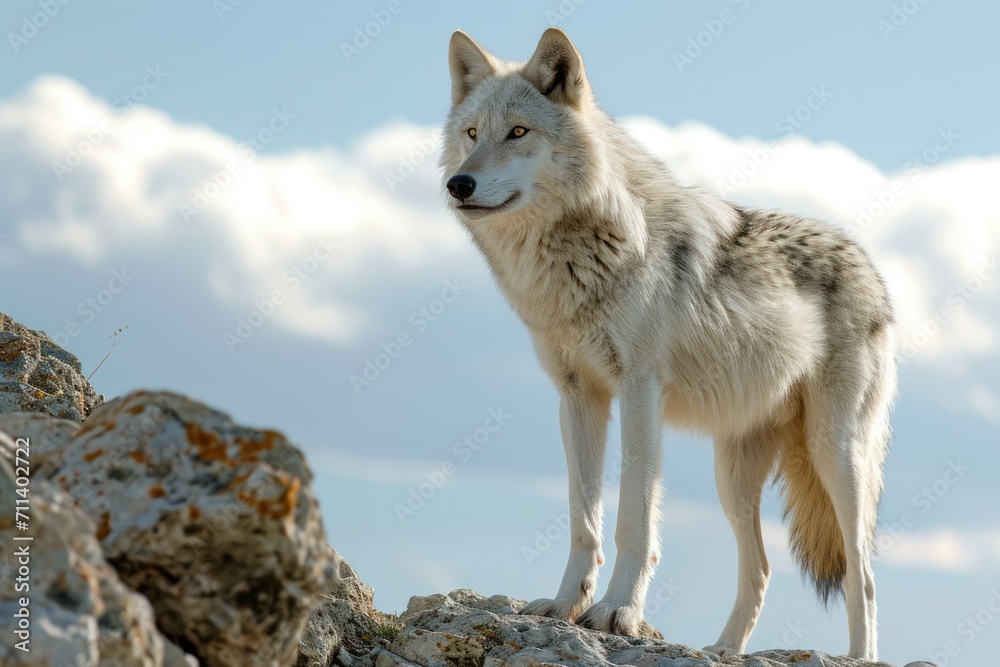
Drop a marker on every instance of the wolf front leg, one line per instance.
(583, 419)
(637, 536)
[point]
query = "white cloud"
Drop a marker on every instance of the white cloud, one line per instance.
(947, 550)
(985, 402)
(381, 202)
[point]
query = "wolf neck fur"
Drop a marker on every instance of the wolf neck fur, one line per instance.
(594, 247)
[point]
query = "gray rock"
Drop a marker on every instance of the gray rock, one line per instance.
(345, 627)
(464, 628)
(213, 522)
(80, 613)
(49, 437)
(36, 375)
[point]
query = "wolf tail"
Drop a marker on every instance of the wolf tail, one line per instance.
(814, 534)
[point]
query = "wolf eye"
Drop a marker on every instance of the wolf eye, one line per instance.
(518, 132)
(471, 132)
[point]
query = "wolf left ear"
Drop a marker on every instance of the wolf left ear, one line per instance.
(556, 69)
(469, 64)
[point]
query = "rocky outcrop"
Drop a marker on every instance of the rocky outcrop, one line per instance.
(36, 375)
(213, 522)
(78, 611)
(465, 628)
(346, 623)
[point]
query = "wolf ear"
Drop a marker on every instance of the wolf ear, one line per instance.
(469, 64)
(556, 69)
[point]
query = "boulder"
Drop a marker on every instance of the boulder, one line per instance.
(78, 611)
(213, 522)
(48, 435)
(36, 375)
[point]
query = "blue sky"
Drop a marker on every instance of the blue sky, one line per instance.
(342, 153)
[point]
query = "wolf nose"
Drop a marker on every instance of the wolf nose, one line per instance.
(461, 186)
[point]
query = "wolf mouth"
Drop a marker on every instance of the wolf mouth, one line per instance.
(486, 210)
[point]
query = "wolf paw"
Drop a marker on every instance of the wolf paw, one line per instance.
(723, 650)
(565, 609)
(608, 617)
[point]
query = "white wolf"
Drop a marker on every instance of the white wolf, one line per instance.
(770, 332)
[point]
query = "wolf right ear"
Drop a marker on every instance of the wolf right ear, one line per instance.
(469, 64)
(556, 69)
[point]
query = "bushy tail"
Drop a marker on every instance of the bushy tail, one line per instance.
(816, 540)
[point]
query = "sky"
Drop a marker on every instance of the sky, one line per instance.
(251, 189)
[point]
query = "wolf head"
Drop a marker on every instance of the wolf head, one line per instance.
(519, 137)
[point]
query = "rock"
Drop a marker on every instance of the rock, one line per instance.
(346, 624)
(465, 629)
(80, 613)
(213, 522)
(36, 375)
(48, 437)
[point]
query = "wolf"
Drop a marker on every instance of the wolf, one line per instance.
(769, 332)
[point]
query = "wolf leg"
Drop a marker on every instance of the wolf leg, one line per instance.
(583, 419)
(742, 465)
(849, 465)
(637, 539)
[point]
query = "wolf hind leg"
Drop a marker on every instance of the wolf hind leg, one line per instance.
(742, 466)
(847, 443)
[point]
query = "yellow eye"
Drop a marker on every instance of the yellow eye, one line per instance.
(472, 132)
(518, 132)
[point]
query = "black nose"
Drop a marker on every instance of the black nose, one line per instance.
(461, 186)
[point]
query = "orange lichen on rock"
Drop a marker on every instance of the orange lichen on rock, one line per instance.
(157, 491)
(288, 499)
(237, 480)
(93, 455)
(193, 512)
(89, 426)
(208, 444)
(104, 526)
(250, 448)
(138, 456)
